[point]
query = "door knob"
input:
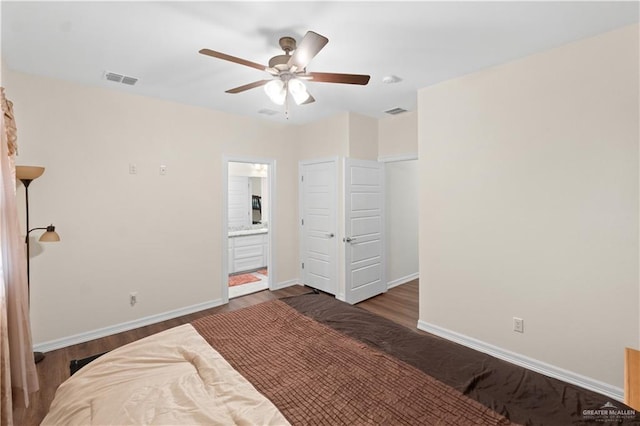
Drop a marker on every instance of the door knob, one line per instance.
(348, 239)
(331, 235)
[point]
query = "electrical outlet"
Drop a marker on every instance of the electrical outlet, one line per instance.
(163, 169)
(133, 298)
(518, 325)
(133, 169)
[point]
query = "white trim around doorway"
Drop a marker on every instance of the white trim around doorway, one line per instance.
(271, 220)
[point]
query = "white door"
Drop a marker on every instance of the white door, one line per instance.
(364, 226)
(239, 201)
(318, 225)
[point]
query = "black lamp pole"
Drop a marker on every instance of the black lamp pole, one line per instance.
(37, 356)
(26, 183)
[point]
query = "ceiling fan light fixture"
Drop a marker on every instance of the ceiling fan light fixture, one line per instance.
(288, 71)
(298, 91)
(276, 91)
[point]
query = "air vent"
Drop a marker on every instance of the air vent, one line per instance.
(119, 78)
(267, 111)
(396, 111)
(129, 80)
(111, 76)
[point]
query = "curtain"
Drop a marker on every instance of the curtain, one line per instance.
(18, 375)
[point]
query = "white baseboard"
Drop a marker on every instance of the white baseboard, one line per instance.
(125, 326)
(526, 362)
(285, 284)
(141, 322)
(403, 280)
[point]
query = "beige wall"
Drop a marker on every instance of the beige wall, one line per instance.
(398, 135)
(123, 233)
(363, 137)
(157, 235)
(323, 139)
(529, 205)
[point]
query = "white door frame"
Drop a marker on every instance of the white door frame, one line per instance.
(271, 179)
(386, 160)
(301, 164)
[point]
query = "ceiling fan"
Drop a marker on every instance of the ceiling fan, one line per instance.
(288, 71)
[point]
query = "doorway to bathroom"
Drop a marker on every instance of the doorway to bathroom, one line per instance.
(248, 210)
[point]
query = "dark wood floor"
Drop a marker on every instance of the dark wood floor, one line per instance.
(399, 304)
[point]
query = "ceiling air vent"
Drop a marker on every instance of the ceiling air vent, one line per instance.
(111, 76)
(396, 111)
(267, 111)
(119, 78)
(129, 80)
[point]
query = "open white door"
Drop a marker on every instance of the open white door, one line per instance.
(364, 229)
(318, 225)
(239, 201)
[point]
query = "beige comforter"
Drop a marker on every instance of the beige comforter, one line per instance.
(184, 381)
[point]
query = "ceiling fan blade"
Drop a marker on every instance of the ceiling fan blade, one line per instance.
(248, 86)
(311, 44)
(329, 77)
(311, 99)
(230, 58)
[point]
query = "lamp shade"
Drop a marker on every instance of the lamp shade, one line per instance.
(298, 91)
(276, 91)
(29, 172)
(50, 235)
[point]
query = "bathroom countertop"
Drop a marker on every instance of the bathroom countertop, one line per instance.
(241, 232)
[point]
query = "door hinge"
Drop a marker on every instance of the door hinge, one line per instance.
(302, 178)
(302, 222)
(302, 265)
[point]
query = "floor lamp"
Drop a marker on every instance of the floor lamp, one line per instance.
(26, 174)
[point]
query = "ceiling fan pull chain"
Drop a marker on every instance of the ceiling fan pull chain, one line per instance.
(286, 105)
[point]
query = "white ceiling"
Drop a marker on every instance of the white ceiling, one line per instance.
(421, 42)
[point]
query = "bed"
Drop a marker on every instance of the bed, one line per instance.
(311, 359)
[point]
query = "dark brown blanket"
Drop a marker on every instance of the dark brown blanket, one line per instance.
(521, 395)
(317, 375)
